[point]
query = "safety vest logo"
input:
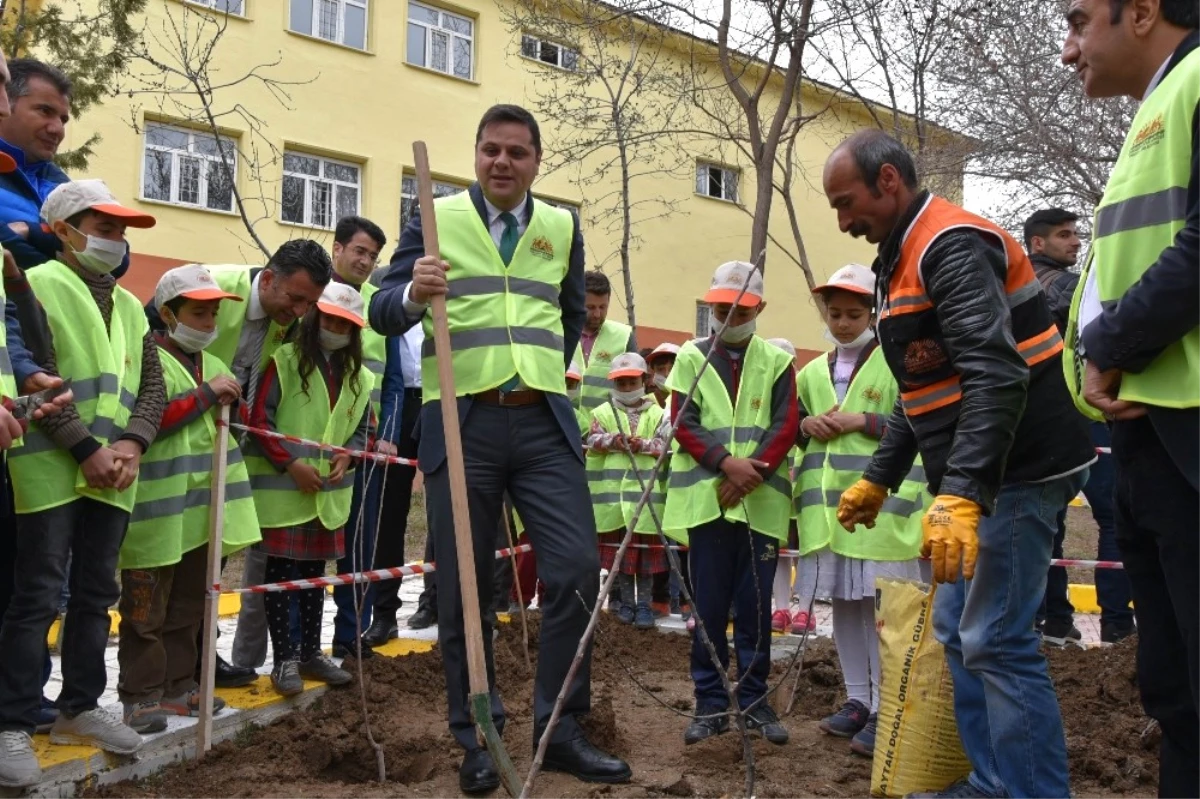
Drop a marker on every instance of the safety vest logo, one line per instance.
(872, 394)
(1152, 133)
(604, 355)
(768, 553)
(542, 248)
(280, 335)
(756, 403)
(924, 355)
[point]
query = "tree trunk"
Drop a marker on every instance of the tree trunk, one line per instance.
(626, 235)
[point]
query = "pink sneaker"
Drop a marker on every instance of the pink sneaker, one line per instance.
(802, 622)
(780, 620)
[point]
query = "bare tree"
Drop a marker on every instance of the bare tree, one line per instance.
(604, 74)
(1037, 141)
(179, 72)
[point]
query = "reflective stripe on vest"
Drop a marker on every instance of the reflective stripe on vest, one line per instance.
(8, 383)
(1036, 336)
(1143, 209)
(235, 279)
(610, 342)
(171, 515)
(827, 469)
(616, 489)
(692, 489)
(374, 351)
(279, 502)
(106, 365)
(503, 322)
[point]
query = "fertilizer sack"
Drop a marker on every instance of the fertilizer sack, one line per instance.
(917, 747)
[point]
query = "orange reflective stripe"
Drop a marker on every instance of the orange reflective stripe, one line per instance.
(907, 300)
(1045, 345)
(931, 397)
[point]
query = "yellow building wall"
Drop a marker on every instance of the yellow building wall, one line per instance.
(368, 107)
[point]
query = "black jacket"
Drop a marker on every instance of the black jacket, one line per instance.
(1059, 285)
(1159, 309)
(1014, 423)
(389, 318)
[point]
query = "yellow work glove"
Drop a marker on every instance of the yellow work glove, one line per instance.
(950, 530)
(860, 504)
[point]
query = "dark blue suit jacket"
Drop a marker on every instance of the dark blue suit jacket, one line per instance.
(388, 318)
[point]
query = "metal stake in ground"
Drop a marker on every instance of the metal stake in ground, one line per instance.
(480, 699)
(216, 532)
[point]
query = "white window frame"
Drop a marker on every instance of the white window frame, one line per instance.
(451, 36)
(408, 194)
(340, 36)
(534, 47)
(704, 319)
(191, 152)
(334, 184)
(730, 179)
(213, 5)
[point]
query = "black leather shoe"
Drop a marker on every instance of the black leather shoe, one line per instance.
(381, 631)
(424, 617)
(583, 761)
(230, 676)
(342, 651)
(478, 774)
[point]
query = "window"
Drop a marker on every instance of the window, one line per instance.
(224, 6)
(184, 167)
(549, 52)
(704, 319)
(440, 40)
(339, 21)
(717, 181)
(409, 206)
(318, 191)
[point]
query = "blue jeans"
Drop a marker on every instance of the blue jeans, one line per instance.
(731, 568)
(1004, 703)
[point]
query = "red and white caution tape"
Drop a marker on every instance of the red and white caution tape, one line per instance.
(793, 553)
(378, 457)
(374, 576)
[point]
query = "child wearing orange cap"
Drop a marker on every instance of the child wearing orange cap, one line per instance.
(316, 388)
(631, 422)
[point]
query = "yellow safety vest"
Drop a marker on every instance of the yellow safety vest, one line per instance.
(374, 350)
(504, 321)
(826, 469)
(615, 487)
(692, 490)
(236, 280)
(279, 501)
(611, 341)
(171, 515)
(105, 367)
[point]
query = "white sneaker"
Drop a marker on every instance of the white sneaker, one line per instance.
(18, 764)
(97, 728)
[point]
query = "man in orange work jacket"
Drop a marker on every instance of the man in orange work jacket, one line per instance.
(965, 328)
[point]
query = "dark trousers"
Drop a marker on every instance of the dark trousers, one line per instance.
(397, 501)
(162, 611)
(731, 567)
(522, 451)
(428, 597)
(362, 530)
(90, 533)
(1157, 518)
(8, 559)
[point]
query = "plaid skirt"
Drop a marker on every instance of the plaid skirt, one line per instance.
(639, 562)
(307, 541)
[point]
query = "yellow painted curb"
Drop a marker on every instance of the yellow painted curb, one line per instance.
(1083, 598)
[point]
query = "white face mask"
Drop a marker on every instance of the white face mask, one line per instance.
(864, 338)
(100, 256)
(332, 342)
(628, 397)
(660, 382)
(191, 340)
(573, 393)
(736, 334)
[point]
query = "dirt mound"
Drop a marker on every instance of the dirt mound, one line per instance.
(641, 692)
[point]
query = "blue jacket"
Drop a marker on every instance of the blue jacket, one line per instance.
(21, 196)
(392, 402)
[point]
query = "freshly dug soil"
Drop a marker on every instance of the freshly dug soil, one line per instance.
(640, 684)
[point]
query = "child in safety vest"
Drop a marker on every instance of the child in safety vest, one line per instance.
(845, 399)
(629, 423)
(74, 476)
(165, 554)
(729, 489)
(660, 361)
(315, 388)
(784, 619)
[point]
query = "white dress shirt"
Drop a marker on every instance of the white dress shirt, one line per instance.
(410, 359)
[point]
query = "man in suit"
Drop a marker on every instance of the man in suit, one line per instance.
(513, 276)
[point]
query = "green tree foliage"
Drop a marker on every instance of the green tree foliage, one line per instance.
(89, 41)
